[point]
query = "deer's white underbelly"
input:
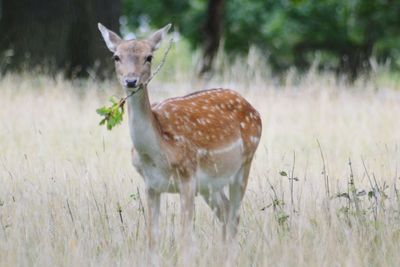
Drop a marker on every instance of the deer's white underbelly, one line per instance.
(215, 169)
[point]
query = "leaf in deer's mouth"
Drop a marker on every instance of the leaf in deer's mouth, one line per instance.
(113, 114)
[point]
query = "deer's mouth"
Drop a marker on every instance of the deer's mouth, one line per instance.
(133, 90)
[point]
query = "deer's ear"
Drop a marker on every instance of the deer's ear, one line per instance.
(111, 38)
(156, 38)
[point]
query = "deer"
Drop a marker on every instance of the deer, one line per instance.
(197, 144)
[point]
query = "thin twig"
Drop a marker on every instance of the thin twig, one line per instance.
(162, 62)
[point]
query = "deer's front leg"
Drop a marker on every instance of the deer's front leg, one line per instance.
(153, 211)
(187, 194)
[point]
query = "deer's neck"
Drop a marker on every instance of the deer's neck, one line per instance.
(143, 126)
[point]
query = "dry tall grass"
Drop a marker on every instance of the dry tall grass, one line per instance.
(70, 197)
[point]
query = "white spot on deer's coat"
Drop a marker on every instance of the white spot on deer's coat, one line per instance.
(201, 152)
(254, 139)
(179, 138)
(201, 121)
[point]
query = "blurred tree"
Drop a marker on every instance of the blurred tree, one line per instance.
(352, 31)
(212, 31)
(56, 33)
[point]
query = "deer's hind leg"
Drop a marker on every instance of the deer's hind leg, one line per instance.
(236, 193)
(219, 204)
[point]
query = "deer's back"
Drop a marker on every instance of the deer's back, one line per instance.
(210, 120)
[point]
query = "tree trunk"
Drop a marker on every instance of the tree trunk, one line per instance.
(57, 35)
(212, 30)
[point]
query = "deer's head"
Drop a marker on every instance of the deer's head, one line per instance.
(133, 57)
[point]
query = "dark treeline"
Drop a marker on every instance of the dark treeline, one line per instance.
(341, 35)
(58, 34)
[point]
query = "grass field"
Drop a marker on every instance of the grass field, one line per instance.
(322, 190)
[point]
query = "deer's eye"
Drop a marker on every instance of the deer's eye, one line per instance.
(116, 58)
(149, 58)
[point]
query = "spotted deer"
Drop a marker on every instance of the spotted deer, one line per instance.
(194, 144)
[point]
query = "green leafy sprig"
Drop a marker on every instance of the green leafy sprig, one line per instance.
(113, 115)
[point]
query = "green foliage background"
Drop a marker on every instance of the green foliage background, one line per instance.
(340, 35)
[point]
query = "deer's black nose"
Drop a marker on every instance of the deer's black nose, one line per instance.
(130, 83)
